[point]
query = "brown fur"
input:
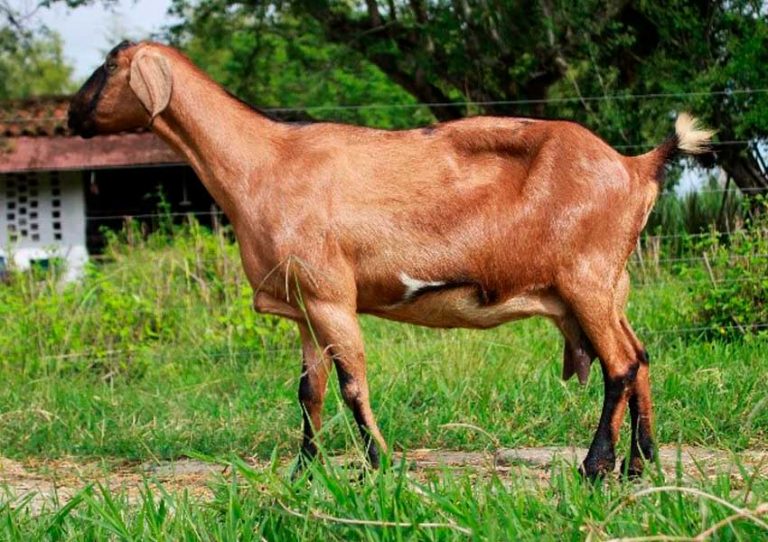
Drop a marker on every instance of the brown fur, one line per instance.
(513, 217)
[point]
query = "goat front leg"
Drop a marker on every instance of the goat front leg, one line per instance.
(316, 366)
(337, 328)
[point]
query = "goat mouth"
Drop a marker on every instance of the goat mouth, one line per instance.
(79, 127)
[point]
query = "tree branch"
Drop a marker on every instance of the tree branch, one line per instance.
(401, 65)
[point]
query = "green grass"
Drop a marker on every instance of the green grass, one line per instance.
(260, 505)
(158, 355)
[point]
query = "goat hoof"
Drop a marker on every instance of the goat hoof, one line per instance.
(300, 468)
(596, 469)
(632, 468)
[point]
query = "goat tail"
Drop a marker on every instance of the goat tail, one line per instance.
(690, 137)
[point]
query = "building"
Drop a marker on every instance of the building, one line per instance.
(58, 191)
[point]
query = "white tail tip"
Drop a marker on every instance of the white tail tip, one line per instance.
(692, 137)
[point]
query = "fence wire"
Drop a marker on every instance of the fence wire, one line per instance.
(373, 344)
(476, 103)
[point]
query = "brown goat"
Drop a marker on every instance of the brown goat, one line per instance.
(470, 223)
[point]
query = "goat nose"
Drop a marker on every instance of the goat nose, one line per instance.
(72, 122)
(75, 118)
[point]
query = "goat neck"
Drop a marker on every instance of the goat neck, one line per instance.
(226, 142)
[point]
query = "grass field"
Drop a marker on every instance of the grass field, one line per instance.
(157, 355)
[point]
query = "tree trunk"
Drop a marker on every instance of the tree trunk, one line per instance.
(741, 165)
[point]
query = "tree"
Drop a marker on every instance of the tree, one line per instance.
(31, 63)
(591, 57)
(622, 67)
(33, 67)
(285, 61)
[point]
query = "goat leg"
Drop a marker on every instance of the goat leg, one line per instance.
(641, 413)
(601, 457)
(640, 409)
(597, 314)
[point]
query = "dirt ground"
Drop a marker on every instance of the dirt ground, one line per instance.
(41, 483)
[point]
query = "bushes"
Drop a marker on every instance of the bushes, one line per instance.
(178, 286)
(678, 219)
(736, 301)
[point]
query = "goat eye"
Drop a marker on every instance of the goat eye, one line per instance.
(111, 66)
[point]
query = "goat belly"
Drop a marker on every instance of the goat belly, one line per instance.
(467, 305)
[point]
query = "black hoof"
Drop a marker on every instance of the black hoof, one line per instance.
(596, 469)
(633, 467)
(300, 468)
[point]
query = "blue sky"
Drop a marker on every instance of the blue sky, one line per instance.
(89, 32)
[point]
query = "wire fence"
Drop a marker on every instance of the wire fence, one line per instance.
(704, 279)
(473, 103)
(202, 353)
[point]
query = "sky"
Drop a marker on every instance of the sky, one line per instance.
(89, 32)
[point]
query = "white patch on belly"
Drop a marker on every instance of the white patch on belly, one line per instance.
(413, 285)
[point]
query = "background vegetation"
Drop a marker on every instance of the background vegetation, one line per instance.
(621, 67)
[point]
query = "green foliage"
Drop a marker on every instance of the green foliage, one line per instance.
(32, 66)
(158, 353)
(624, 69)
(559, 59)
(736, 304)
(138, 300)
(697, 212)
(288, 63)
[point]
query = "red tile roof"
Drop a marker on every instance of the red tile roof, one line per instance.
(34, 136)
(34, 117)
(75, 153)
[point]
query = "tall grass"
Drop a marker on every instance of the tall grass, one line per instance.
(158, 352)
(182, 285)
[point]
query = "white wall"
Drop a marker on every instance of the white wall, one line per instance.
(42, 216)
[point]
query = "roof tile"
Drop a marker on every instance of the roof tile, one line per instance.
(35, 117)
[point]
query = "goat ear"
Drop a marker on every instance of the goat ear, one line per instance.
(151, 81)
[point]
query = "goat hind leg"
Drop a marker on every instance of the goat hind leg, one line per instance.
(641, 412)
(595, 311)
(640, 404)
